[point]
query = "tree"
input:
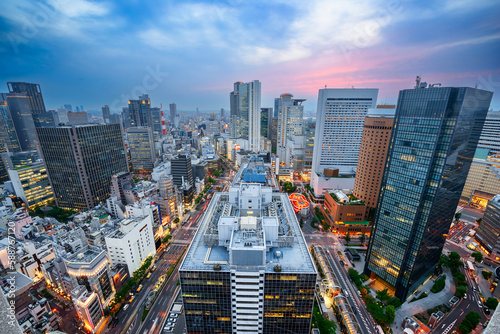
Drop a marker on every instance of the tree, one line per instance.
(487, 274)
(491, 303)
(176, 220)
(454, 257)
(362, 238)
(478, 256)
(390, 313)
(469, 323)
(383, 295)
(439, 284)
(347, 237)
(479, 220)
(166, 239)
(394, 301)
(457, 216)
(461, 290)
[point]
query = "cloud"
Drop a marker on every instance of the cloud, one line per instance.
(80, 8)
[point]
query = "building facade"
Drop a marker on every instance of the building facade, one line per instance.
(142, 148)
(32, 91)
(80, 161)
(290, 120)
(373, 153)
(132, 243)
(106, 114)
(435, 134)
(31, 184)
(20, 112)
(139, 112)
(488, 233)
(246, 113)
(182, 171)
(234, 282)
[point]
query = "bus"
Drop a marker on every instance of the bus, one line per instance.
(470, 266)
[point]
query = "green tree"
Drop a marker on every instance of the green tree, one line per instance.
(439, 284)
(176, 220)
(491, 303)
(457, 216)
(479, 220)
(362, 238)
(469, 323)
(166, 239)
(478, 256)
(487, 274)
(347, 237)
(394, 301)
(390, 313)
(383, 295)
(460, 291)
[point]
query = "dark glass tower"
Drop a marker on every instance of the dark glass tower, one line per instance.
(265, 114)
(181, 168)
(34, 93)
(139, 112)
(22, 118)
(435, 134)
(80, 161)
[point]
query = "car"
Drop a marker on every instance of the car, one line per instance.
(126, 307)
(148, 275)
(172, 320)
(131, 299)
(168, 329)
(139, 288)
(465, 296)
(354, 310)
(174, 315)
(479, 303)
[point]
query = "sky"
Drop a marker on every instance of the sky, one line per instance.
(93, 53)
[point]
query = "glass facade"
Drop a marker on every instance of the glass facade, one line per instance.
(288, 302)
(31, 183)
(436, 131)
(80, 162)
(23, 120)
(207, 301)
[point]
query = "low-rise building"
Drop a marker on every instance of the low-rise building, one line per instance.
(132, 243)
(345, 213)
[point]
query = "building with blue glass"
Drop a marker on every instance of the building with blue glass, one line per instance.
(435, 134)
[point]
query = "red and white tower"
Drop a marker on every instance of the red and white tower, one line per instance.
(163, 126)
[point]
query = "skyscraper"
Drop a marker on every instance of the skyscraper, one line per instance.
(245, 113)
(139, 112)
(339, 124)
(435, 134)
(142, 150)
(265, 117)
(8, 134)
(182, 170)
(373, 154)
(248, 269)
(32, 185)
(32, 91)
(156, 119)
(290, 120)
(105, 114)
(173, 112)
(489, 230)
(222, 113)
(77, 118)
(18, 104)
(35, 100)
(80, 161)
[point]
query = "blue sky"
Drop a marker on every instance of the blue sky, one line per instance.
(93, 53)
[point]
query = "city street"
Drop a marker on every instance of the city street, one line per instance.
(363, 317)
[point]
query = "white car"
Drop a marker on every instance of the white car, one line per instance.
(174, 315)
(168, 329)
(172, 320)
(465, 296)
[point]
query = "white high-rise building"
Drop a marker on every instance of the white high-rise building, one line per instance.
(245, 113)
(290, 119)
(132, 243)
(339, 126)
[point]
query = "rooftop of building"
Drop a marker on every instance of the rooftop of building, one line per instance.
(345, 199)
(15, 279)
(89, 255)
(255, 171)
(249, 228)
(126, 225)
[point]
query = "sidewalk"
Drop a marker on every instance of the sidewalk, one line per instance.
(433, 300)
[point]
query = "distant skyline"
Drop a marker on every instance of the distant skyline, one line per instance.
(95, 53)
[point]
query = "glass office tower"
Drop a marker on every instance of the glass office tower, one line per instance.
(80, 162)
(436, 131)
